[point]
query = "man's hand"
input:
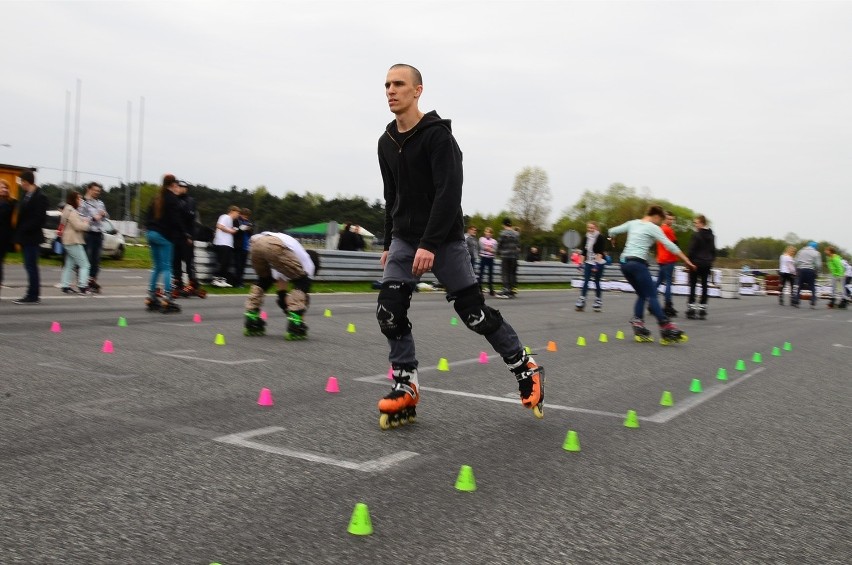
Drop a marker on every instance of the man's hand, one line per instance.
(384, 258)
(423, 261)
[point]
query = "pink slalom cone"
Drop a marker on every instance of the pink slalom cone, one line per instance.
(483, 358)
(390, 373)
(107, 348)
(265, 398)
(196, 318)
(55, 327)
(263, 315)
(331, 385)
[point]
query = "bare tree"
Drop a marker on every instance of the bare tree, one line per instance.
(531, 199)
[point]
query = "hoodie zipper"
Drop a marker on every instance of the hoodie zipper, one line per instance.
(413, 133)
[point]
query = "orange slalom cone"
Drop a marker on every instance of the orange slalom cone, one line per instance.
(331, 385)
(551, 346)
(265, 398)
(107, 348)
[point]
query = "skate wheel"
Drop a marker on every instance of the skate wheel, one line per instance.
(684, 338)
(538, 411)
(384, 422)
(412, 418)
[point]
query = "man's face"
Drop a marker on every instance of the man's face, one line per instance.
(591, 228)
(400, 90)
(472, 231)
(94, 191)
(670, 220)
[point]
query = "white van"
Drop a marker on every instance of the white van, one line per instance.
(113, 240)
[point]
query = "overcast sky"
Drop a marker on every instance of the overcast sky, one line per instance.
(741, 111)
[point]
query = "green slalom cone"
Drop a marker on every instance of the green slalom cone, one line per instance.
(666, 399)
(776, 352)
(788, 346)
(740, 365)
(360, 524)
(632, 420)
(722, 374)
(572, 442)
(695, 386)
(465, 481)
(454, 321)
(122, 322)
(757, 358)
(581, 341)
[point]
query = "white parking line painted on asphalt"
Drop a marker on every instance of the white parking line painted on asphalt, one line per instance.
(383, 380)
(843, 346)
(825, 318)
(682, 406)
(179, 354)
(373, 465)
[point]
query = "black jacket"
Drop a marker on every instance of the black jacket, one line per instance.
(7, 232)
(702, 248)
(32, 213)
(598, 247)
(422, 174)
(171, 223)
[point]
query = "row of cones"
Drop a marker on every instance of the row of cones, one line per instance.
(265, 396)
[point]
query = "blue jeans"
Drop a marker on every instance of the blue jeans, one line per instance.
(75, 255)
(94, 245)
(665, 275)
(592, 271)
(161, 257)
(31, 253)
(487, 264)
(807, 279)
(639, 277)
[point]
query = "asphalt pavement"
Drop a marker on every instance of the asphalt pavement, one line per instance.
(159, 453)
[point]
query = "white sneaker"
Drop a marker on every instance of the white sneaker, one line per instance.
(218, 282)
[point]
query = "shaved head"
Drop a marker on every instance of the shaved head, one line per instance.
(416, 77)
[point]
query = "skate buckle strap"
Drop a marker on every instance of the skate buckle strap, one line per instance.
(404, 387)
(524, 372)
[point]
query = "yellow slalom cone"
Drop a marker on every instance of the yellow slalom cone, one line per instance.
(619, 334)
(603, 338)
(632, 420)
(581, 341)
(360, 524)
(551, 346)
(350, 328)
(572, 442)
(220, 339)
(527, 350)
(465, 481)
(327, 313)
(443, 364)
(666, 399)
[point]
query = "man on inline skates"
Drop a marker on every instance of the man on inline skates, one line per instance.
(421, 166)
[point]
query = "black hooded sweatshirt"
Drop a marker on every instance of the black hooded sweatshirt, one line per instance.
(702, 248)
(422, 174)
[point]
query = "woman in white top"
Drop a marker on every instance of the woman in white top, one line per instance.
(787, 270)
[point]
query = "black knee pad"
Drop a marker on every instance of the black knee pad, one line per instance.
(315, 259)
(392, 309)
(303, 284)
(476, 315)
(264, 283)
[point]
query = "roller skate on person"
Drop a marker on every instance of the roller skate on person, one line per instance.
(702, 312)
(157, 302)
(640, 332)
(296, 327)
(530, 381)
(670, 333)
(691, 311)
(598, 305)
(93, 286)
(254, 324)
(398, 406)
(580, 305)
(669, 310)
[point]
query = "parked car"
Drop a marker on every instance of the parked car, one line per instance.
(113, 240)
